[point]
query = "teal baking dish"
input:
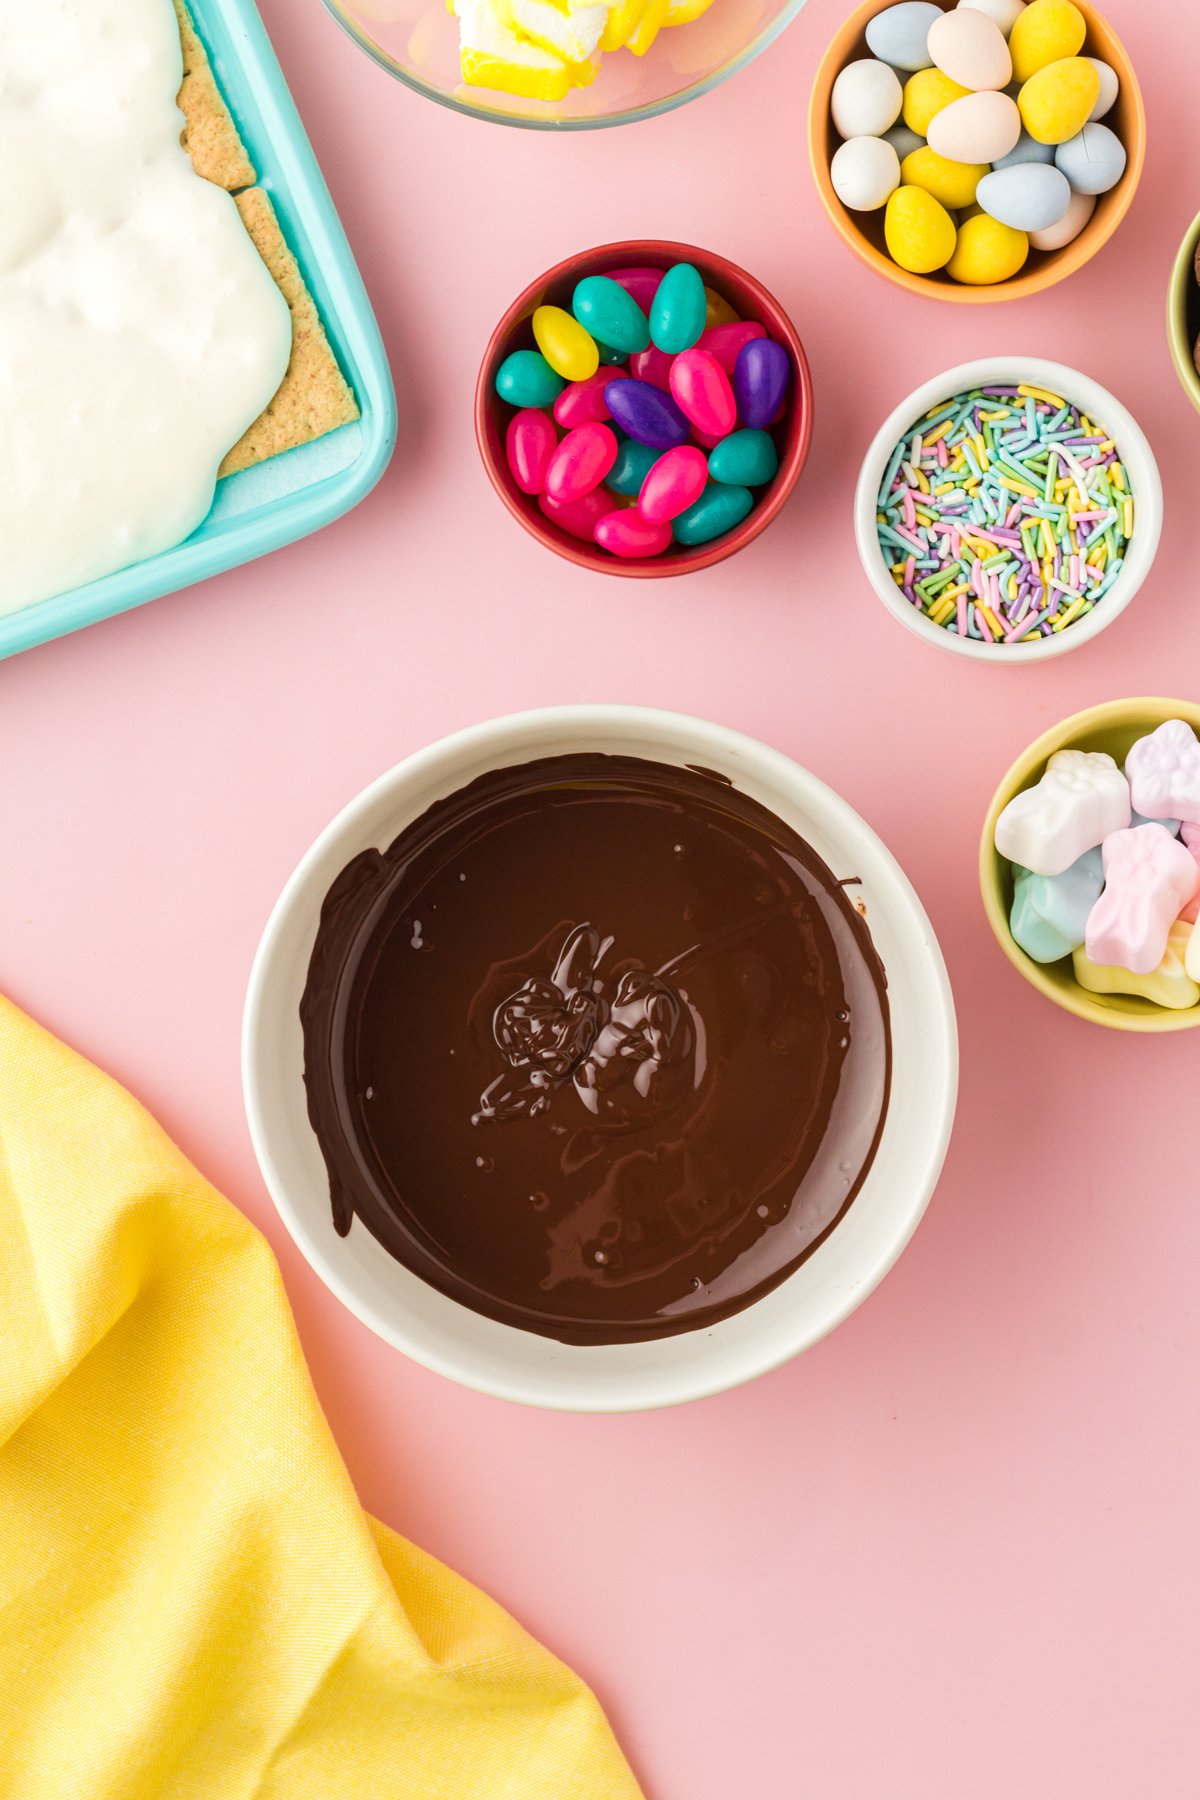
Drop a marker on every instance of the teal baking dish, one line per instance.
(283, 499)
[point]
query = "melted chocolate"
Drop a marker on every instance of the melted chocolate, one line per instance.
(598, 1047)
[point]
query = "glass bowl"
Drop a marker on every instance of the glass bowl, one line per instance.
(417, 42)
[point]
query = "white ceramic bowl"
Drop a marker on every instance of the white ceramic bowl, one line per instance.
(1136, 454)
(518, 1365)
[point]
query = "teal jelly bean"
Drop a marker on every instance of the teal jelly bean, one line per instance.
(679, 310)
(718, 510)
(610, 357)
(744, 459)
(1050, 912)
(526, 379)
(634, 462)
(611, 315)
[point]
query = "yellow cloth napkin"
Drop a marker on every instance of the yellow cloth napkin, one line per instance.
(192, 1603)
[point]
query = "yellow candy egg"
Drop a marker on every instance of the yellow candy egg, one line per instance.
(925, 95)
(566, 346)
(1057, 102)
(1046, 32)
(919, 231)
(952, 184)
(987, 252)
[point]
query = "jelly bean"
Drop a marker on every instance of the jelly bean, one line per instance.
(744, 459)
(583, 401)
(760, 380)
(646, 413)
(526, 379)
(581, 461)
(708, 440)
(529, 443)
(726, 340)
(717, 310)
(566, 346)
(628, 534)
(680, 309)
(634, 462)
(579, 517)
(609, 357)
(702, 392)
(718, 510)
(653, 365)
(640, 284)
(604, 308)
(675, 482)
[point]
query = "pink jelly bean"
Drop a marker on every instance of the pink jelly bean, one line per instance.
(726, 340)
(708, 440)
(700, 388)
(583, 402)
(652, 365)
(640, 284)
(529, 443)
(673, 483)
(579, 517)
(627, 533)
(581, 461)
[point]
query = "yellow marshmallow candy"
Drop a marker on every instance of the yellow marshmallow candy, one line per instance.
(952, 184)
(1057, 102)
(926, 94)
(682, 12)
(653, 18)
(918, 230)
(986, 252)
(1045, 32)
(1169, 985)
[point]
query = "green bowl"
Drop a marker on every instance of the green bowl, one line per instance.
(1183, 314)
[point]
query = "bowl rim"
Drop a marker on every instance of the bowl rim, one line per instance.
(1183, 279)
(1058, 264)
(1147, 490)
(629, 116)
(715, 746)
(1140, 1015)
(714, 268)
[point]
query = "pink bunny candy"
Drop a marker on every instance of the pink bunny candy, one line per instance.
(1164, 773)
(1080, 799)
(1148, 876)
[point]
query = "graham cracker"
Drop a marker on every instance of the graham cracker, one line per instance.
(209, 134)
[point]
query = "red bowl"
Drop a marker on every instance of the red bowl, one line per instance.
(748, 298)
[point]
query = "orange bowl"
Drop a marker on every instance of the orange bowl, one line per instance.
(864, 231)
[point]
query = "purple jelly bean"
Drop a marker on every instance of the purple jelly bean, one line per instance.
(646, 413)
(760, 381)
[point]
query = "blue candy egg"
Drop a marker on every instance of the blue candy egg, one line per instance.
(900, 34)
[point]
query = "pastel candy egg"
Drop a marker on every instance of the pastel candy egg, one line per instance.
(987, 252)
(581, 462)
(970, 48)
(1079, 210)
(864, 171)
(1045, 32)
(1055, 103)
(640, 284)
(918, 230)
(925, 96)
(866, 98)
(744, 459)
(761, 377)
(1093, 161)
(582, 401)
(626, 533)
(653, 365)
(717, 511)
(579, 517)
(604, 309)
(526, 379)
(680, 310)
(1027, 150)
(1110, 87)
(717, 310)
(1003, 13)
(978, 128)
(903, 140)
(702, 391)
(566, 346)
(646, 413)
(952, 184)
(674, 483)
(1029, 198)
(529, 443)
(633, 463)
(900, 34)
(727, 341)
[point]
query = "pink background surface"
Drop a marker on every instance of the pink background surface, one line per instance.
(950, 1552)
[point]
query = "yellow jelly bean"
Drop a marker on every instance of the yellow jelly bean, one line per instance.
(1057, 101)
(952, 184)
(925, 95)
(1044, 33)
(682, 12)
(718, 310)
(648, 26)
(566, 346)
(919, 231)
(987, 252)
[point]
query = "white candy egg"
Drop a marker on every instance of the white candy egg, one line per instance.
(1029, 197)
(865, 173)
(898, 34)
(1093, 161)
(1003, 13)
(1028, 150)
(1056, 237)
(979, 128)
(1110, 87)
(866, 98)
(970, 48)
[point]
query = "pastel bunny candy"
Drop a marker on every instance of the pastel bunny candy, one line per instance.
(1050, 912)
(1164, 772)
(1080, 799)
(1148, 876)
(1168, 985)
(1191, 837)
